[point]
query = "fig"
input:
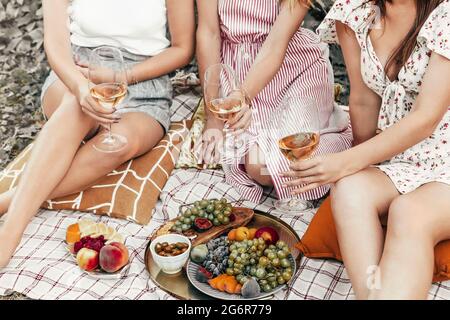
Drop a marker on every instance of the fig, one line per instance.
(250, 289)
(199, 253)
(269, 234)
(203, 275)
(202, 224)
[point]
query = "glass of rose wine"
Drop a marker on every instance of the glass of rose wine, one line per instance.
(108, 85)
(296, 129)
(224, 97)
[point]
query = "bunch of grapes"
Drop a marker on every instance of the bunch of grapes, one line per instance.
(269, 265)
(217, 258)
(217, 211)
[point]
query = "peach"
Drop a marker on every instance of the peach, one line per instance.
(113, 257)
(269, 234)
(242, 233)
(87, 259)
(252, 233)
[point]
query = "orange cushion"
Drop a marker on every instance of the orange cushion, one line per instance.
(130, 192)
(320, 241)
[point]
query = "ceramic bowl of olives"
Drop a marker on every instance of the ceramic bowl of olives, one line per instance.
(170, 252)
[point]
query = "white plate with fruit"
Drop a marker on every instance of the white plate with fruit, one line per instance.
(246, 263)
(98, 249)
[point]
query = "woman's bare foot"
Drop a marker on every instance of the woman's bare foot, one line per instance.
(9, 241)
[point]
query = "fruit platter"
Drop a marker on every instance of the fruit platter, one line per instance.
(98, 249)
(250, 255)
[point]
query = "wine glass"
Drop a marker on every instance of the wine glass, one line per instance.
(108, 85)
(224, 97)
(296, 130)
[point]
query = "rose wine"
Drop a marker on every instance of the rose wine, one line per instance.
(225, 108)
(109, 94)
(299, 146)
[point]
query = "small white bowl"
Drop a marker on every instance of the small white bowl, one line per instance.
(170, 265)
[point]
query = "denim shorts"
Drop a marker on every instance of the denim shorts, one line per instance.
(152, 97)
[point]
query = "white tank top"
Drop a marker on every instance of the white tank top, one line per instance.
(138, 26)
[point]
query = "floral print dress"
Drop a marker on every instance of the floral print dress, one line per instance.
(428, 161)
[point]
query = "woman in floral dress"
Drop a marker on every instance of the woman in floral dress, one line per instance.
(274, 58)
(397, 55)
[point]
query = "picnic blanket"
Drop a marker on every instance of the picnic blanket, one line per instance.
(42, 268)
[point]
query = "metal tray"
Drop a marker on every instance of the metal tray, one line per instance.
(179, 285)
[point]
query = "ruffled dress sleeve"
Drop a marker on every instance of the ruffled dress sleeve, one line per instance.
(353, 13)
(435, 33)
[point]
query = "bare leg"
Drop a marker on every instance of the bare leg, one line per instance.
(52, 155)
(417, 222)
(255, 165)
(358, 201)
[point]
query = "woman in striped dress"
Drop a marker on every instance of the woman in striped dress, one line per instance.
(273, 57)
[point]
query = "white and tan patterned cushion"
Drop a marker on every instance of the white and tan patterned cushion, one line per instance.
(129, 192)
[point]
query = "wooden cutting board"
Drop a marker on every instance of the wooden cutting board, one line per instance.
(243, 217)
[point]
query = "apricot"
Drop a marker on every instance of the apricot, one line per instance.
(232, 235)
(242, 233)
(113, 257)
(215, 281)
(252, 233)
(73, 233)
(230, 285)
(238, 289)
(87, 259)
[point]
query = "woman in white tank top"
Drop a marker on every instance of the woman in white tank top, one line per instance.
(58, 165)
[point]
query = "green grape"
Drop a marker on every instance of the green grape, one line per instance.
(238, 259)
(267, 288)
(276, 262)
(211, 217)
(201, 212)
(185, 227)
(241, 250)
(261, 273)
(253, 271)
(263, 282)
(243, 280)
(197, 203)
(203, 215)
(237, 271)
(289, 269)
(239, 277)
(210, 208)
(224, 201)
(273, 284)
(281, 244)
(187, 213)
(271, 255)
(281, 254)
(217, 212)
(218, 206)
(220, 217)
(261, 241)
(178, 223)
(281, 280)
(226, 220)
(286, 276)
(238, 265)
(263, 261)
(186, 220)
(227, 213)
(230, 263)
(192, 218)
(229, 271)
(252, 261)
(216, 222)
(259, 253)
(285, 263)
(179, 229)
(261, 247)
(204, 204)
(194, 211)
(233, 247)
(272, 247)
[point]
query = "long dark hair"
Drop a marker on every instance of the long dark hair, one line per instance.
(400, 55)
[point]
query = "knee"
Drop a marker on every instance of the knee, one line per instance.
(346, 198)
(259, 173)
(110, 161)
(407, 218)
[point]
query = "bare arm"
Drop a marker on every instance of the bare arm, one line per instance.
(428, 111)
(57, 44)
(59, 54)
(208, 35)
(181, 21)
(271, 56)
(364, 103)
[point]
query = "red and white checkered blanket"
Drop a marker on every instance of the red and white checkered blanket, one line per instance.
(42, 268)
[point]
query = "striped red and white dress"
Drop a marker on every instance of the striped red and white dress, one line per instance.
(306, 71)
